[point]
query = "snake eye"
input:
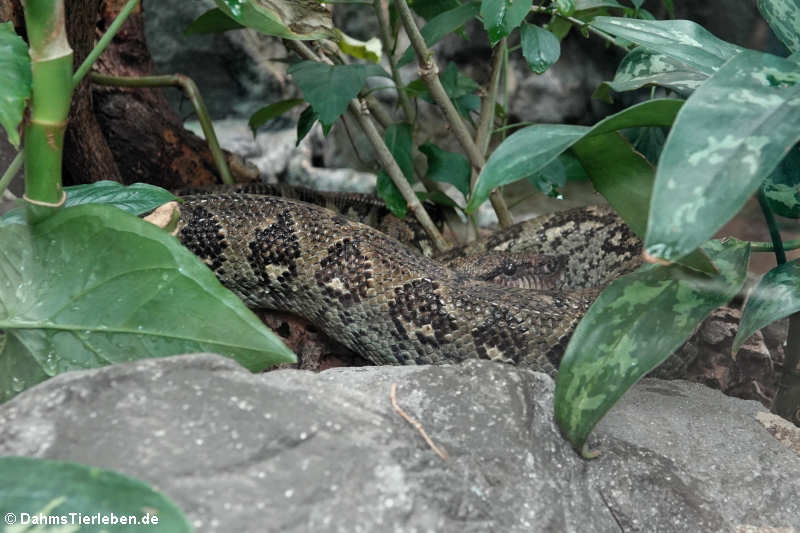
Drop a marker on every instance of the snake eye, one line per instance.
(509, 268)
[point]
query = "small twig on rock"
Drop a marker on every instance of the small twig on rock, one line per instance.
(439, 451)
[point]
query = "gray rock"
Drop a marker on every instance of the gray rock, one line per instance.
(297, 451)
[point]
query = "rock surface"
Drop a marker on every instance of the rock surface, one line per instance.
(297, 451)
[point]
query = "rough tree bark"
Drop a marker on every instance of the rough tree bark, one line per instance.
(125, 135)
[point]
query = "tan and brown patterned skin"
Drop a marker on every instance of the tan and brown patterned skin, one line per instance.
(390, 304)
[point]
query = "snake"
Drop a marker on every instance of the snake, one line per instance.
(392, 303)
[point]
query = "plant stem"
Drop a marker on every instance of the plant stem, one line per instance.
(787, 399)
(484, 133)
(51, 69)
(774, 232)
(193, 93)
(428, 71)
(10, 172)
(104, 41)
(581, 24)
(770, 247)
(386, 37)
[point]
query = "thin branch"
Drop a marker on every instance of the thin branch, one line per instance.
(358, 107)
(10, 172)
(104, 41)
(581, 24)
(381, 9)
(193, 93)
(429, 72)
(393, 396)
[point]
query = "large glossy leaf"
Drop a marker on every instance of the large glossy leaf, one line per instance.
(329, 88)
(783, 17)
(15, 81)
(643, 67)
(212, 21)
(689, 43)
(398, 139)
(501, 17)
(539, 47)
(782, 187)
(33, 487)
(776, 296)
(290, 19)
(136, 199)
(93, 285)
(730, 135)
(448, 167)
(634, 325)
(441, 25)
(529, 150)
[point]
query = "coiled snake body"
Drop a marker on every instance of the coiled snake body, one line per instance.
(393, 305)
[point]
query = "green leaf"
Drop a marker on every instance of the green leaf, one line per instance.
(398, 140)
(501, 17)
(369, 50)
(586, 5)
(329, 88)
(58, 488)
(783, 17)
(776, 296)
(136, 199)
(304, 124)
(689, 43)
(15, 81)
(530, 149)
(92, 285)
(539, 47)
(555, 175)
(633, 326)
(428, 9)
(448, 167)
(648, 141)
(290, 19)
(730, 135)
(212, 21)
(642, 67)
(441, 25)
(782, 187)
(565, 7)
(265, 114)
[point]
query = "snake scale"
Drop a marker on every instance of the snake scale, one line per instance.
(394, 305)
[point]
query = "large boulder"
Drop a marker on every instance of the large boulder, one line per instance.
(297, 451)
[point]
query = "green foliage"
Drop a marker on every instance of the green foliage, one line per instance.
(643, 67)
(398, 140)
(448, 167)
(267, 113)
(634, 325)
(212, 21)
(329, 88)
(730, 135)
(92, 285)
(539, 47)
(501, 17)
(136, 199)
(442, 24)
(782, 187)
(57, 488)
(15, 81)
(783, 17)
(776, 296)
(682, 40)
(290, 19)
